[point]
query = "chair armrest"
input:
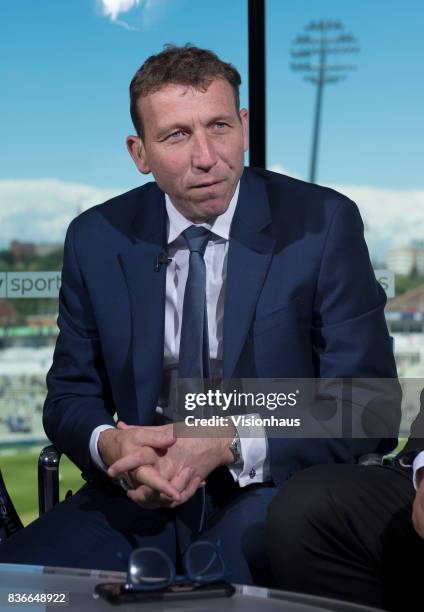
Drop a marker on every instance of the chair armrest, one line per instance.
(48, 479)
(371, 459)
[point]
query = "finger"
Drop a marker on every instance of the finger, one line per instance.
(154, 437)
(131, 461)
(161, 428)
(145, 497)
(148, 498)
(123, 425)
(149, 476)
(188, 492)
(138, 495)
(181, 480)
(159, 436)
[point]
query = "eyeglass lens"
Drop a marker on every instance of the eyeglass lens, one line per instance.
(149, 567)
(203, 561)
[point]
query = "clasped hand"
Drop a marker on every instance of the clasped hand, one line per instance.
(163, 470)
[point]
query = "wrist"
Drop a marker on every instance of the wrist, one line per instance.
(231, 445)
(105, 444)
(227, 455)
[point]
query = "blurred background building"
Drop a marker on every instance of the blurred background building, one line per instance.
(406, 260)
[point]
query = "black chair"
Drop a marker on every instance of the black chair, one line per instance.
(48, 479)
(9, 519)
(372, 459)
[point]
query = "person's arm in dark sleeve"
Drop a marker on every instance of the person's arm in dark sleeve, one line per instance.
(79, 397)
(350, 332)
(350, 340)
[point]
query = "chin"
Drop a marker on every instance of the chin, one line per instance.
(211, 208)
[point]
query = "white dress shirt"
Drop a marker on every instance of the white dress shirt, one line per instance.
(254, 465)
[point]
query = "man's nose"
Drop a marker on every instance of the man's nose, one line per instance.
(203, 152)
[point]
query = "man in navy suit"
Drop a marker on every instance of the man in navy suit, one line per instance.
(288, 260)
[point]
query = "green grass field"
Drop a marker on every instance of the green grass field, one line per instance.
(19, 469)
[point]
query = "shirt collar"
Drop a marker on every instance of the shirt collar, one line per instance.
(220, 226)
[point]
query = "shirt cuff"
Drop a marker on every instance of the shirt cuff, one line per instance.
(254, 464)
(417, 464)
(94, 451)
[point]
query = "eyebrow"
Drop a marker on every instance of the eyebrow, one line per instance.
(223, 118)
(167, 129)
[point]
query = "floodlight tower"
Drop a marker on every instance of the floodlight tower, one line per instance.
(321, 39)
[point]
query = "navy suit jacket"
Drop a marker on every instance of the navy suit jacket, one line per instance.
(301, 301)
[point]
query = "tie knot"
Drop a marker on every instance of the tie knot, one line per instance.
(197, 238)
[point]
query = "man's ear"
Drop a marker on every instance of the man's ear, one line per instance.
(137, 151)
(245, 126)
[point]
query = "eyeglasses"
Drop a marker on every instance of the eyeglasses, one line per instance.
(151, 569)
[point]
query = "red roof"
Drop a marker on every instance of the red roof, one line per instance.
(7, 311)
(410, 301)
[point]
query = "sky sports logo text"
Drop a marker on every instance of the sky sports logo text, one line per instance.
(30, 284)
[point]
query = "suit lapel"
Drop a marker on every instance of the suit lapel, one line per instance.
(249, 256)
(146, 288)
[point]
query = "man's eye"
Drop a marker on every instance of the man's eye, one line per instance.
(220, 127)
(175, 135)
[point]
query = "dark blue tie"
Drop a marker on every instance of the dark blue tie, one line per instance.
(194, 352)
(194, 360)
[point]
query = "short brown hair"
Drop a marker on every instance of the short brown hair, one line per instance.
(187, 65)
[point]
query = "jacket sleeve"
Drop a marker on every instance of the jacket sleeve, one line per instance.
(350, 341)
(78, 394)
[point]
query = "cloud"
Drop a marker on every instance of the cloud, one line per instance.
(40, 211)
(135, 20)
(392, 217)
(113, 8)
(282, 170)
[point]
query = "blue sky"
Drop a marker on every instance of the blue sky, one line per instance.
(66, 69)
(373, 126)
